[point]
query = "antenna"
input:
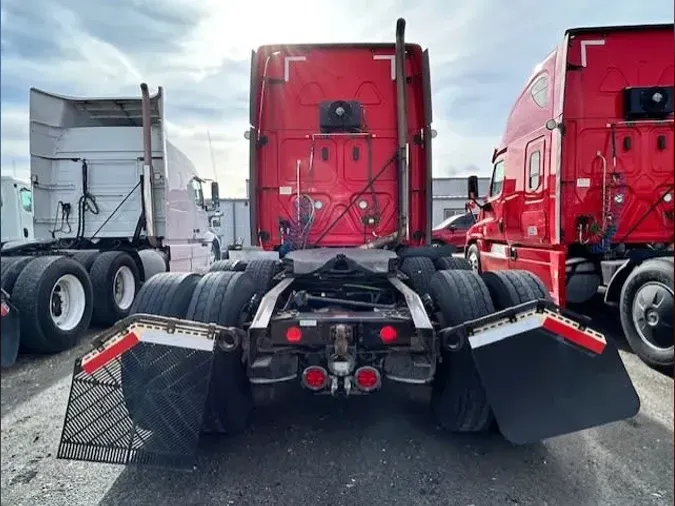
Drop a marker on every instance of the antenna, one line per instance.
(213, 160)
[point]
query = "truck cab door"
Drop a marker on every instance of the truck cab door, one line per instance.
(494, 251)
(26, 213)
(201, 249)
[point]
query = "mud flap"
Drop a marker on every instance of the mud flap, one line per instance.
(10, 333)
(544, 373)
(139, 396)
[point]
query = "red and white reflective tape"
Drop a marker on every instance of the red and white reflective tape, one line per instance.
(5, 309)
(122, 343)
(592, 341)
(93, 361)
(560, 326)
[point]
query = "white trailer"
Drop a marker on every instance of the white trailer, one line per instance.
(114, 202)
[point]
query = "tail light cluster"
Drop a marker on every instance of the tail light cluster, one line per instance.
(315, 378)
(366, 378)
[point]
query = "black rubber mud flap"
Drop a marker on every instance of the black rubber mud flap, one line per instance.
(545, 374)
(10, 334)
(170, 386)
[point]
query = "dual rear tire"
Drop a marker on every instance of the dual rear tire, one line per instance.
(58, 297)
(222, 298)
(458, 401)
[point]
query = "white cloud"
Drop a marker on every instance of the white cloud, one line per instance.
(481, 50)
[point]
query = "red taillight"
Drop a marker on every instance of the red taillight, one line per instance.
(388, 334)
(315, 377)
(293, 334)
(367, 378)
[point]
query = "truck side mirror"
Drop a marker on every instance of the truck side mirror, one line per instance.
(215, 195)
(472, 187)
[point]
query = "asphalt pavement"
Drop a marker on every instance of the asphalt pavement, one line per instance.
(377, 450)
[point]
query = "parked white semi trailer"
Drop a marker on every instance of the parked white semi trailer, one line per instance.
(113, 204)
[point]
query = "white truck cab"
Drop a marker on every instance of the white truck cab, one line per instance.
(17, 209)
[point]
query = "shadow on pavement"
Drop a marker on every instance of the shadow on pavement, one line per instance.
(32, 374)
(381, 449)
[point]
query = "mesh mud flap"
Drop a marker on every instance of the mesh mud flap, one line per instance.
(139, 396)
(544, 373)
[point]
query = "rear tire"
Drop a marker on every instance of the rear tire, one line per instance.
(452, 264)
(10, 270)
(86, 258)
(115, 278)
(420, 271)
(263, 272)
(228, 266)
(54, 297)
(165, 294)
(646, 310)
(458, 399)
(510, 288)
(222, 298)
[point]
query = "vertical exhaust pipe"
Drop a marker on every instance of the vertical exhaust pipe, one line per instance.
(146, 185)
(402, 134)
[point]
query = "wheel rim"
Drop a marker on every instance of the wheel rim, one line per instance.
(653, 315)
(473, 260)
(67, 302)
(124, 287)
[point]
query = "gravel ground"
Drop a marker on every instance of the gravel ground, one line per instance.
(382, 449)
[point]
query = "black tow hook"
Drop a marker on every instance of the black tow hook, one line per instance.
(230, 338)
(452, 338)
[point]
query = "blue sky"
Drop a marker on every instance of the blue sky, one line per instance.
(482, 51)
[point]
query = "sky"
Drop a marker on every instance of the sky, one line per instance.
(482, 53)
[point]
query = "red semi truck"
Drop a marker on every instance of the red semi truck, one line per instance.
(352, 296)
(582, 187)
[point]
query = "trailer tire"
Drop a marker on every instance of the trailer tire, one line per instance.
(86, 258)
(647, 295)
(458, 399)
(222, 298)
(228, 266)
(10, 270)
(432, 252)
(109, 269)
(452, 264)
(420, 271)
(42, 289)
(165, 294)
(263, 271)
(510, 288)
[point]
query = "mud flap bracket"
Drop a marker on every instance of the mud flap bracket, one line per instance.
(544, 373)
(139, 396)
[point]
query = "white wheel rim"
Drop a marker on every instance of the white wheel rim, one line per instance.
(124, 288)
(67, 302)
(473, 260)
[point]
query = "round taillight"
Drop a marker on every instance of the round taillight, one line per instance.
(367, 378)
(293, 334)
(315, 377)
(388, 334)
